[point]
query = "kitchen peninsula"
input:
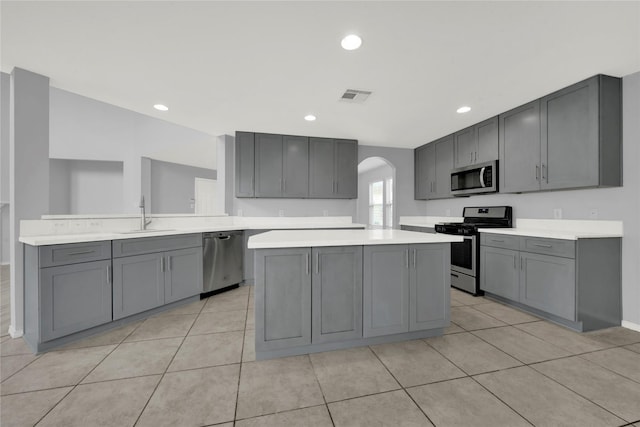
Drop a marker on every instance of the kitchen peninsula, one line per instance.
(319, 290)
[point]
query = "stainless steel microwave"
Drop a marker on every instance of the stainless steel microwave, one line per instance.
(475, 179)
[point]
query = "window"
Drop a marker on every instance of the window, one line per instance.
(381, 203)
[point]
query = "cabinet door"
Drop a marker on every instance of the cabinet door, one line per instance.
(295, 166)
(183, 275)
(499, 273)
(423, 171)
(321, 168)
(386, 290)
(465, 147)
(520, 149)
(487, 136)
(443, 166)
(548, 283)
(570, 149)
(337, 294)
(346, 169)
(283, 298)
(268, 165)
(138, 284)
(245, 167)
(73, 298)
(429, 286)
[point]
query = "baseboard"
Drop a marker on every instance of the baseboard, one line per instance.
(630, 325)
(15, 333)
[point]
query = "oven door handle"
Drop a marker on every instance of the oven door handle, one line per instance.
(482, 184)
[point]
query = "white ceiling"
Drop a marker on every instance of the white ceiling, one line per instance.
(262, 66)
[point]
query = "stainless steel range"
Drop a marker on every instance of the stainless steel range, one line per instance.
(465, 264)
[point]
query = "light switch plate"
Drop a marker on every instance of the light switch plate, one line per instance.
(280, 212)
(557, 213)
(325, 212)
(593, 214)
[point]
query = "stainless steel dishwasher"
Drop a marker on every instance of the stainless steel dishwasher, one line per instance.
(223, 253)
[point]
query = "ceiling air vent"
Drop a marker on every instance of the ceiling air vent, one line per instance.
(355, 96)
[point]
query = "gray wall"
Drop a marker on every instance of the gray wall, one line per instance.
(622, 203)
(85, 186)
(364, 179)
(86, 129)
(5, 82)
(29, 169)
(173, 186)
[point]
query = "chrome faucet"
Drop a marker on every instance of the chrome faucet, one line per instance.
(143, 219)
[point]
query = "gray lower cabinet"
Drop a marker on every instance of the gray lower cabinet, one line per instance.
(155, 275)
(386, 290)
(403, 288)
(428, 298)
(74, 297)
(67, 288)
(576, 283)
(499, 272)
(283, 298)
(336, 294)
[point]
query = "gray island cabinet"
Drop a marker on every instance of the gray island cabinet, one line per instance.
(327, 295)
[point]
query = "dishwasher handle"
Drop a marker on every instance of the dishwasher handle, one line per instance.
(227, 237)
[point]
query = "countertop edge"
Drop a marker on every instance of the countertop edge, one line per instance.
(550, 234)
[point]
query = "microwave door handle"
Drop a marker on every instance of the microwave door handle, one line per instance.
(482, 184)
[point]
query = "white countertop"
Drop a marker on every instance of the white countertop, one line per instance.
(427, 221)
(57, 239)
(566, 229)
(315, 238)
(549, 234)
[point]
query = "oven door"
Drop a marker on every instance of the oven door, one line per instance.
(463, 256)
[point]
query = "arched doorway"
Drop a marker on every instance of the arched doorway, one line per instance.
(376, 193)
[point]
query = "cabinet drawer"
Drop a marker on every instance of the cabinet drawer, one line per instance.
(500, 241)
(563, 248)
(51, 256)
(145, 245)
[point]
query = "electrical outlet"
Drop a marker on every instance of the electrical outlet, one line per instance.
(239, 212)
(557, 213)
(280, 212)
(593, 213)
(447, 212)
(325, 212)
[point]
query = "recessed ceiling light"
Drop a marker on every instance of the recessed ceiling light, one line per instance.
(309, 117)
(464, 109)
(351, 42)
(161, 107)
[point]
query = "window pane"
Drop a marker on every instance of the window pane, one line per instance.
(388, 219)
(389, 191)
(375, 215)
(375, 193)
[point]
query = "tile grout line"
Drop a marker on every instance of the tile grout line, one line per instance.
(324, 398)
(167, 368)
(244, 333)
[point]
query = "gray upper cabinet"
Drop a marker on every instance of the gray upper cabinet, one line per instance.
(268, 165)
(477, 143)
(568, 139)
(433, 164)
(245, 168)
(295, 166)
(74, 297)
(444, 164)
(581, 139)
(424, 171)
(386, 290)
(429, 299)
(519, 164)
(333, 168)
(283, 282)
(337, 293)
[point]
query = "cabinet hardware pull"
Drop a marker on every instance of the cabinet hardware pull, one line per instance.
(406, 252)
(80, 252)
(109, 274)
(317, 262)
(514, 262)
(544, 171)
(537, 173)
(542, 246)
(454, 275)
(475, 156)
(169, 263)
(415, 258)
(307, 259)
(471, 156)
(521, 264)
(162, 264)
(496, 240)
(284, 185)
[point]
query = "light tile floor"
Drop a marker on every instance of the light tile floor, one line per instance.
(195, 366)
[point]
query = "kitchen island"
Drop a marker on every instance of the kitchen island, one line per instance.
(320, 290)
